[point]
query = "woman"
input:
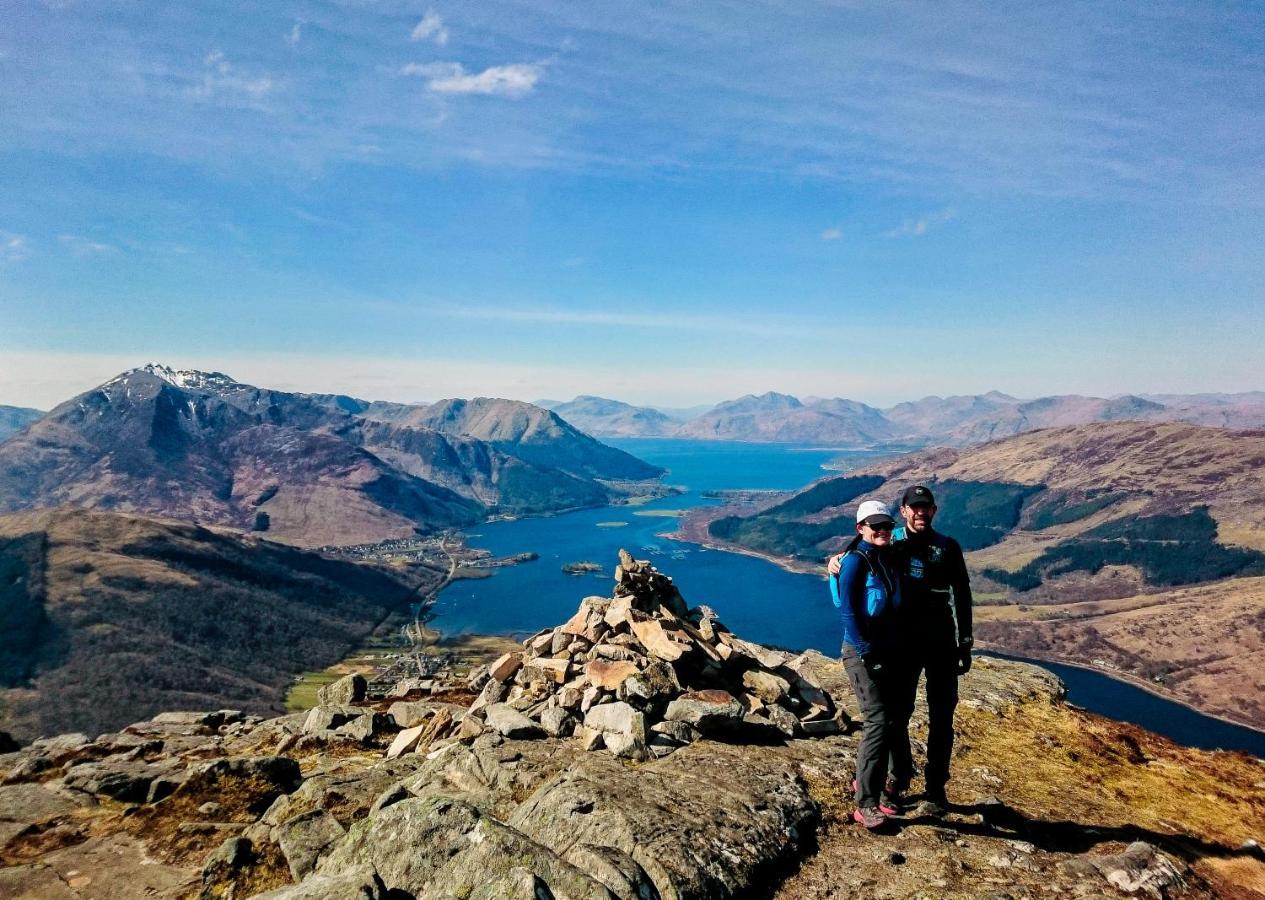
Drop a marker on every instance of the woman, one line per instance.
(868, 597)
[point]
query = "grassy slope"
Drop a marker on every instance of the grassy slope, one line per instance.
(1207, 642)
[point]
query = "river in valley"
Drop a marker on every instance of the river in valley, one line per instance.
(754, 598)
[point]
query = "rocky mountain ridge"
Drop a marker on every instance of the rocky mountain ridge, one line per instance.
(311, 470)
(422, 791)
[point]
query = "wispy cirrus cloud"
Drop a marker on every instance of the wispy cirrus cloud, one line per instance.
(222, 79)
(14, 247)
(82, 246)
(651, 320)
(832, 234)
(295, 35)
(430, 28)
(920, 226)
(516, 80)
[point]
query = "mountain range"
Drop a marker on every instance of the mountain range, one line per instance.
(955, 421)
(308, 469)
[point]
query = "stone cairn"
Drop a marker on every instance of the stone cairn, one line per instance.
(640, 674)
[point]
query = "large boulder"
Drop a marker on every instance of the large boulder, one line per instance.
(305, 837)
(510, 723)
(343, 692)
(617, 718)
(127, 781)
(1139, 869)
(701, 822)
(440, 847)
(713, 712)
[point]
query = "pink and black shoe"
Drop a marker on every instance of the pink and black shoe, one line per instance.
(890, 803)
(871, 817)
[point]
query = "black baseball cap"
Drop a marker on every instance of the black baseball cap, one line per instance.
(918, 495)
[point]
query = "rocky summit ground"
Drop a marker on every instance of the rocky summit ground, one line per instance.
(406, 791)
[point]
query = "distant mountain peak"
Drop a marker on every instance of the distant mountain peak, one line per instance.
(181, 378)
(767, 401)
(775, 397)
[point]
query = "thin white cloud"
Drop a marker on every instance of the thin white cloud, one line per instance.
(920, 226)
(295, 35)
(13, 247)
(517, 80)
(431, 28)
(705, 322)
(831, 234)
(82, 246)
(221, 78)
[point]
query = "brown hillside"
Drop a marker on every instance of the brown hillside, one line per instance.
(1182, 464)
(1205, 644)
(108, 617)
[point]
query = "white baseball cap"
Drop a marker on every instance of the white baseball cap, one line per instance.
(872, 512)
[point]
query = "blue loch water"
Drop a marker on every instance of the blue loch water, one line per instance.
(753, 597)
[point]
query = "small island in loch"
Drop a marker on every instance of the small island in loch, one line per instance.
(583, 567)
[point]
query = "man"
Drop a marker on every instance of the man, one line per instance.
(936, 638)
(867, 593)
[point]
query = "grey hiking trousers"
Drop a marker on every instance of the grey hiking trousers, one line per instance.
(880, 695)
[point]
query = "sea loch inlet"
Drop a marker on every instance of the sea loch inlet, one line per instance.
(751, 595)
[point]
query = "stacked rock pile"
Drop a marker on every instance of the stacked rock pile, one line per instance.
(642, 674)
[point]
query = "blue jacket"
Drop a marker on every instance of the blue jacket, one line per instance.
(867, 592)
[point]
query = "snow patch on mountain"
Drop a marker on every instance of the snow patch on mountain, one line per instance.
(182, 378)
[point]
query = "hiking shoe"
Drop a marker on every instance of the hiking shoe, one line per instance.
(893, 796)
(869, 816)
(934, 805)
(890, 802)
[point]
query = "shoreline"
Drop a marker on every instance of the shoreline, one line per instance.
(1123, 678)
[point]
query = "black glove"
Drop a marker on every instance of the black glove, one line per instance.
(964, 655)
(873, 662)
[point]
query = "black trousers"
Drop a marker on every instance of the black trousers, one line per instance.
(881, 698)
(940, 664)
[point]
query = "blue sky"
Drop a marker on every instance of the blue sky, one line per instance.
(670, 203)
